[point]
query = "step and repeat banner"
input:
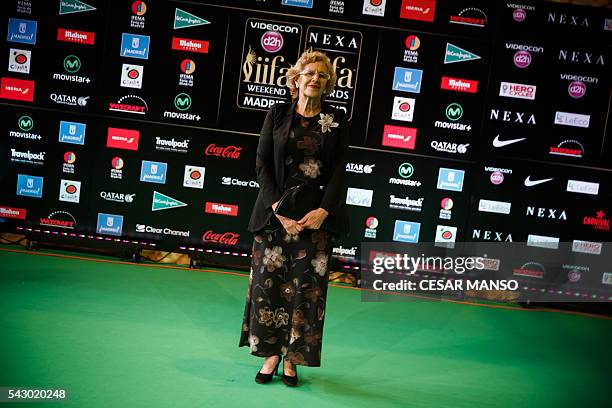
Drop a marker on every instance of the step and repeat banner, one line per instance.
(138, 121)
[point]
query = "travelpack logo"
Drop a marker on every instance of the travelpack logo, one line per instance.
(405, 172)
(472, 17)
(27, 157)
(600, 222)
(359, 197)
(69, 160)
(455, 54)
(343, 47)
(72, 132)
(117, 164)
(130, 104)
(163, 202)
(572, 119)
(14, 213)
(450, 179)
(70, 100)
(519, 91)
(135, 46)
(139, 9)
(188, 67)
(531, 183)
(459, 84)
(172, 145)
(407, 80)
(221, 209)
(445, 236)
(17, 89)
(448, 147)
(75, 36)
(406, 203)
(568, 148)
(70, 191)
(371, 224)
(190, 45)
(298, 3)
(226, 152)
(22, 31)
(72, 65)
(374, 7)
(19, 61)
(29, 186)
(109, 224)
(399, 136)
(74, 6)
(403, 109)
(225, 238)
(582, 187)
(262, 78)
(58, 219)
(153, 172)
(421, 10)
(183, 19)
(406, 231)
(453, 112)
(411, 54)
(194, 176)
(117, 197)
(131, 76)
(122, 138)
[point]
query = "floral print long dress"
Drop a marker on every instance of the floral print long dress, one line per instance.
(285, 302)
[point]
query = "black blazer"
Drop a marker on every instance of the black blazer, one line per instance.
(270, 164)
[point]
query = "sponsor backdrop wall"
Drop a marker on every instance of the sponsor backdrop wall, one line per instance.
(137, 121)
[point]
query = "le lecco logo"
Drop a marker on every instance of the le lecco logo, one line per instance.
(72, 64)
(25, 123)
(182, 101)
(454, 111)
(405, 170)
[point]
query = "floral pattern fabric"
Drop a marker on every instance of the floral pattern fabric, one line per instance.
(286, 296)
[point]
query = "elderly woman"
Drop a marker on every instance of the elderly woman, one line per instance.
(305, 140)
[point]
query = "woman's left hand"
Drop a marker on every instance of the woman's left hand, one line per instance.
(313, 219)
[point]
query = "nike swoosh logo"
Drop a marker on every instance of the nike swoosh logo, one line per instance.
(531, 183)
(502, 143)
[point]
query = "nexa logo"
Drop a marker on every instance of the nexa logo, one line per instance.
(491, 236)
(548, 213)
(581, 57)
(513, 117)
(336, 40)
(274, 27)
(564, 19)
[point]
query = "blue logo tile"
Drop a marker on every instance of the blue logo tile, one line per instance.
(29, 186)
(22, 31)
(407, 80)
(135, 46)
(153, 172)
(110, 224)
(298, 3)
(72, 132)
(406, 231)
(450, 179)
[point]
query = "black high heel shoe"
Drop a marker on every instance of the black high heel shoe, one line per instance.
(266, 378)
(290, 381)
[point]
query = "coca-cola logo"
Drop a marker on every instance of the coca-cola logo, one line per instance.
(227, 152)
(225, 238)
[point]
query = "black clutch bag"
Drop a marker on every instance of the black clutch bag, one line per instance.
(299, 200)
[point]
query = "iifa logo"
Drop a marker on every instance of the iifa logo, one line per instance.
(164, 202)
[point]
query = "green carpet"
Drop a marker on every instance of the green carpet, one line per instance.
(119, 335)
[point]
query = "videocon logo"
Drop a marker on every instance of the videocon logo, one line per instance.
(25, 123)
(454, 111)
(182, 101)
(72, 64)
(405, 170)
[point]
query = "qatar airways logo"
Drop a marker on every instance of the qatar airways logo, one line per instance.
(225, 238)
(226, 152)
